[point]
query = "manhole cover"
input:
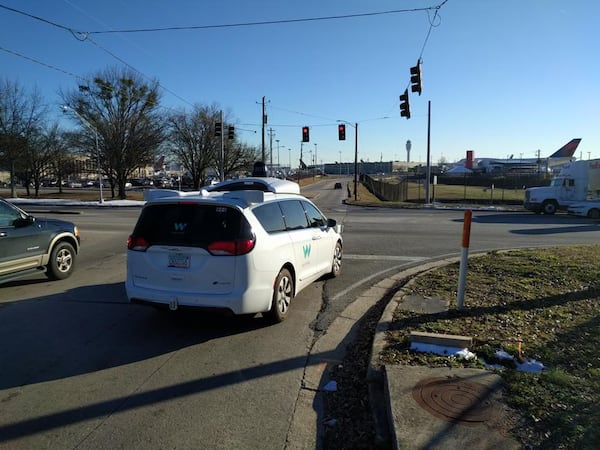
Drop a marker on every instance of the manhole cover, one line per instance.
(454, 399)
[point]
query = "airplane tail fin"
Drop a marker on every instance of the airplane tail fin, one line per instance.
(567, 150)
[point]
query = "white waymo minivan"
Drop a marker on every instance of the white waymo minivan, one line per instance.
(248, 246)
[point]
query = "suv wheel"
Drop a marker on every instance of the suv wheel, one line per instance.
(336, 266)
(282, 297)
(62, 261)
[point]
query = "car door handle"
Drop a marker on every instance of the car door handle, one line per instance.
(316, 237)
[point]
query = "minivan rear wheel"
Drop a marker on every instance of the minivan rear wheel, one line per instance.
(283, 293)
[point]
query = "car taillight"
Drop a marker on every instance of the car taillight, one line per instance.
(231, 248)
(137, 243)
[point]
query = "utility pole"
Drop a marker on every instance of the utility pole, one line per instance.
(277, 140)
(263, 121)
(222, 158)
(427, 197)
(271, 149)
(355, 161)
(316, 160)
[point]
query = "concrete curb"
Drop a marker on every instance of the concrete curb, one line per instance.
(378, 396)
(305, 428)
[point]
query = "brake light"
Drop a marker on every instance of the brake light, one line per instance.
(231, 248)
(137, 243)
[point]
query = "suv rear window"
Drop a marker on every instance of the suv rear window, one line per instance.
(191, 225)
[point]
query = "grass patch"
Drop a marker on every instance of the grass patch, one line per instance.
(443, 193)
(549, 300)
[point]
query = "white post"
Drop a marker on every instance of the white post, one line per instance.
(464, 258)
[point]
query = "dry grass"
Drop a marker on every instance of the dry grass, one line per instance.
(549, 299)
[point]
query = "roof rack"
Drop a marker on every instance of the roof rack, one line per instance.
(265, 184)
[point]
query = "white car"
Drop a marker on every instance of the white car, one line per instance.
(589, 209)
(248, 250)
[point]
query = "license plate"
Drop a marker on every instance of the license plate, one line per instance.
(179, 261)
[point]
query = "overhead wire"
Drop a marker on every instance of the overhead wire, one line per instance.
(85, 35)
(82, 35)
(265, 22)
(432, 25)
(122, 61)
(41, 63)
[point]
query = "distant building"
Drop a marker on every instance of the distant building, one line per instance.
(347, 168)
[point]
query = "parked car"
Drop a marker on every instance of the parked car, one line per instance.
(589, 209)
(31, 245)
(245, 251)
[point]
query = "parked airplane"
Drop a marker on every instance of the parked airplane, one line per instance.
(512, 164)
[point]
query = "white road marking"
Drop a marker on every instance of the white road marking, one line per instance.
(384, 257)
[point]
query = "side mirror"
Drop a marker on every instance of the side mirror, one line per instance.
(23, 221)
(332, 223)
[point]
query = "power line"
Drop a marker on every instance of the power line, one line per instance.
(121, 60)
(49, 66)
(83, 35)
(267, 22)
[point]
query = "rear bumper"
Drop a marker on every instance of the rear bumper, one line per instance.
(248, 302)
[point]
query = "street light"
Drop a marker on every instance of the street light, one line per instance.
(65, 108)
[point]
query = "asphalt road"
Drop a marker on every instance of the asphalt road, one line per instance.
(80, 367)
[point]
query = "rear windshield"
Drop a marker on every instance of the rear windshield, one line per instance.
(191, 225)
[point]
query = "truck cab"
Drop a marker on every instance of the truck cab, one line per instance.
(577, 181)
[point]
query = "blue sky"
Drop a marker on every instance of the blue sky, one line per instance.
(503, 77)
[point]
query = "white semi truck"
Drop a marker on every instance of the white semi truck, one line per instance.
(576, 181)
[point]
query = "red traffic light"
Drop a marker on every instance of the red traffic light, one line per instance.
(342, 132)
(305, 135)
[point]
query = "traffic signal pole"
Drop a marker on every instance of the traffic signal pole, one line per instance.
(262, 119)
(355, 161)
(222, 158)
(427, 184)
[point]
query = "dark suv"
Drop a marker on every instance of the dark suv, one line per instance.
(30, 245)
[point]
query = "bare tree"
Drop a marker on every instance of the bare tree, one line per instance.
(192, 140)
(62, 164)
(120, 122)
(22, 115)
(239, 157)
(39, 156)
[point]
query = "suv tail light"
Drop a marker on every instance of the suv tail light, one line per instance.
(137, 243)
(231, 248)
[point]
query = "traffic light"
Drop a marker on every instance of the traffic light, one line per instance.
(218, 129)
(231, 132)
(305, 136)
(404, 105)
(342, 132)
(415, 78)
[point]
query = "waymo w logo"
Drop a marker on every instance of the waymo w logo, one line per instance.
(180, 226)
(306, 250)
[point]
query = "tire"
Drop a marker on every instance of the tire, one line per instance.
(549, 207)
(62, 261)
(336, 266)
(594, 213)
(283, 294)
